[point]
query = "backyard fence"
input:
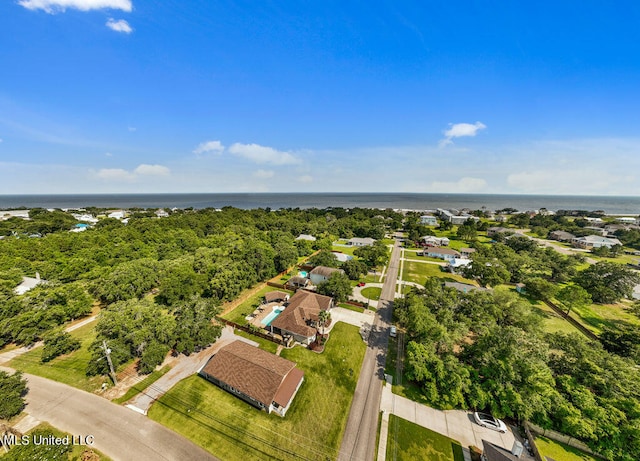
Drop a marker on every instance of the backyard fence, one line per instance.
(253, 332)
(558, 437)
(532, 441)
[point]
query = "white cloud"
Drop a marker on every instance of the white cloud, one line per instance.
(152, 170)
(459, 130)
(263, 174)
(54, 6)
(115, 174)
(119, 25)
(209, 146)
(132, 129)
(263, 154)
(305, 179)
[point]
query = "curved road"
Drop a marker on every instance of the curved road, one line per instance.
(118, 432)
(359, 438)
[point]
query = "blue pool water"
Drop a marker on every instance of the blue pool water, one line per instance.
(270, 318)
(303, 274)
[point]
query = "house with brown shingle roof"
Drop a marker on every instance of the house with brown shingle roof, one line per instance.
(300, 317)
(264, 380)
(276, 296)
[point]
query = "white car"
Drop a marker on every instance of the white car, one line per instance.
(490, 422)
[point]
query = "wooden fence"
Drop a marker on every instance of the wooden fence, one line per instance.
(253, 332)
(558, 437)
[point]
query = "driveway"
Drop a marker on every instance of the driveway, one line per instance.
(456, 424)
(358, 296)
(185, 367)
(358, 319)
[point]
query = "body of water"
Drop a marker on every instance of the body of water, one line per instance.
(609, 204)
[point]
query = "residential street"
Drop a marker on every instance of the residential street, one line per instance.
(118, 432)
(359, 438)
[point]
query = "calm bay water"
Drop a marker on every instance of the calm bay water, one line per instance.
(611, 205)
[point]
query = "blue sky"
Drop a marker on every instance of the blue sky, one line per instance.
(116, 96)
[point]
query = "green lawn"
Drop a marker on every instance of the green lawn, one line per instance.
(233, 430)
(409, 442)
(372, 293)
(264, 344)
(597, 316)
(351, 307)
(561, 452)
(70, 368)
(142, 385)
(348, 250)
(239, 313)
(551, 321)
(419, 272)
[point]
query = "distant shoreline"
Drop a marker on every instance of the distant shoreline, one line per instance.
(611, 205)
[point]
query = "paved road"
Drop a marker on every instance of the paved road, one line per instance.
(359, 438)
(118, 432)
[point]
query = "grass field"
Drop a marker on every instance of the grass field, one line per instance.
(561, 452)
(409, 442)
(419, 272)
(551, 321)
(70, 368)
(142, 385)
(597, 316)
(372, 293)
(233, 430)
(264, 344)
(238, 314)
(351, 307)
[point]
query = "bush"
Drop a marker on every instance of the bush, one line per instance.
(12, 390)
(56, 343)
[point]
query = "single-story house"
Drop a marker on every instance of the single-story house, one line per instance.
(435, 241)
(467, 252)
(321, 274)
(561, 236)
(276, 296)
(296, 282)
(360, 241)
(264, 380)
(117, 214)
(498, 230)
(428, 220)
(463, 287)
(594, 241)
(307, 237)
(443, 253)
(161, 213)
(342, 257)
(626, 220)
(300, 317)
(600, 230)
(28, 283)
(457, 263)
(455, 217)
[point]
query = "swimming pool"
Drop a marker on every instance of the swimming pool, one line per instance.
(272, 315)
(303, 274)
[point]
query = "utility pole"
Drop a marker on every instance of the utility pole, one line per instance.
(107, 353)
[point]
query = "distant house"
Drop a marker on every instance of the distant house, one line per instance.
(600, 230)
(463, 287)
(264, 380)
(321, 274)
(443, 253)
(361, 241)
(467, 252)
(626, 220)
(455, 217)
(117, 214)
(7, 214)
(594, 241)
(28, 283)
(456, 264)
(307, 237)
(85, 217)
(435, 241)
(296, 282)
(342, 257)
(300, 317)
(428, 220)
(492, 231)
(276, 296)
(561, 236)
(521, 287)
(161, 213)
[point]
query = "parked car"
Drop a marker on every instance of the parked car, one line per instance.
(488, 421)
(392, 331)
(361, 284)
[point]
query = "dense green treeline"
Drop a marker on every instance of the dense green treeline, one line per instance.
(485, 350)
(170, 272)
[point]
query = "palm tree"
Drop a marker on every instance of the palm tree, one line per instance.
(323, 317)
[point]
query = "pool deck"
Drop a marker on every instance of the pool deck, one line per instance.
(261, 313)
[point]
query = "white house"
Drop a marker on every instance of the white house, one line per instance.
(307, 237)
(428, 220)
(117, 214)
(28, 283)
(441, 253)
(321, 274)
(626, 220)
(360, 241)
(594, 241)
(436, 241)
